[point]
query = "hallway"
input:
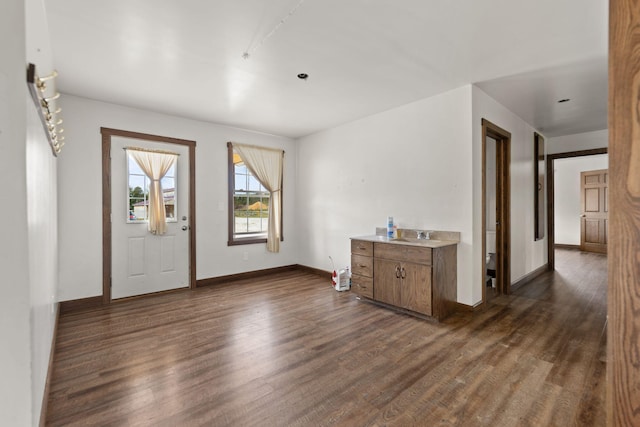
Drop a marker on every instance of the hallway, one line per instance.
(567, 327)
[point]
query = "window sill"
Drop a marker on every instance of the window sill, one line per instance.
(246, 241)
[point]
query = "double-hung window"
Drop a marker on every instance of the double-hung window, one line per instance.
(249, 203)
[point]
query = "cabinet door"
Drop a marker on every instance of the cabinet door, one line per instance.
(386, 284)
(416, 287)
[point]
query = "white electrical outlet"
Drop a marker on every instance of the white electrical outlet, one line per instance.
(245, 256)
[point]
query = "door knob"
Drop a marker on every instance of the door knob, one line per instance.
(184, 228)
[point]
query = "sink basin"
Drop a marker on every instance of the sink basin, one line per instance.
(415, 241)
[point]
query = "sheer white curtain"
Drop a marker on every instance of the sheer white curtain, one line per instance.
(155, 165)
(266, 165)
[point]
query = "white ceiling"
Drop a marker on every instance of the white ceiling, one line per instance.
(534, 96)
(362, 56)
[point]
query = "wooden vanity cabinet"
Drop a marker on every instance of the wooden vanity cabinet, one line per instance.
(415, 278)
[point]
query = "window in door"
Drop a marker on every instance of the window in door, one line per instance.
(138, 194)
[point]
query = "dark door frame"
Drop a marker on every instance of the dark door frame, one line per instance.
(107, 133)
(623, 326)
(550, 196)
(503, 206)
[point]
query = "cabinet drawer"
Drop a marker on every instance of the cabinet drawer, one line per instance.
(362, 265)
(362, 285)
(407, 253)
(361, 247)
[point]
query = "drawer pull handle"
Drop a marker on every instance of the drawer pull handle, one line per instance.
(361, 265)
(362, 247)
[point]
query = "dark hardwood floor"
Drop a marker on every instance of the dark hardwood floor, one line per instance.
(288, 350)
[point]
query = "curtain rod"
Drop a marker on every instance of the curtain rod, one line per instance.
(148, 150)
(256, 146)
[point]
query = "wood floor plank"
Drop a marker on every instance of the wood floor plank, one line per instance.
(287, 350)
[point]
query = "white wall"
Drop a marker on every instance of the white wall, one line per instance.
(43, 248)
(412, 162)
(80, 189)
(15, 351)
(526, 253)
(567, 194)
(422, 164)
(578, 142)
(42, 213)
(27, 257)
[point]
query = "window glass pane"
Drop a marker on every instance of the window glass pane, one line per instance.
(241, 221)
(138, 193)
(134, 168)
(241, 183)
(137, 181)
(254, 184)
(138, 209)
(170, 210)
(168, 183)
(239, 202)
(169, 192)
(241, 168)
(169, 202)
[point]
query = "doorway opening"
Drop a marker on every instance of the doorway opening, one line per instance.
(496, 210)
(551, 202)
(125, 214)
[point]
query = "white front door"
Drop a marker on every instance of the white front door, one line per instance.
(142, 262)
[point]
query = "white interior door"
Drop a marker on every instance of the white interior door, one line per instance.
(143, 263)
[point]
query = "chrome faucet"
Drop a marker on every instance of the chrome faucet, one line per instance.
(423, 235)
